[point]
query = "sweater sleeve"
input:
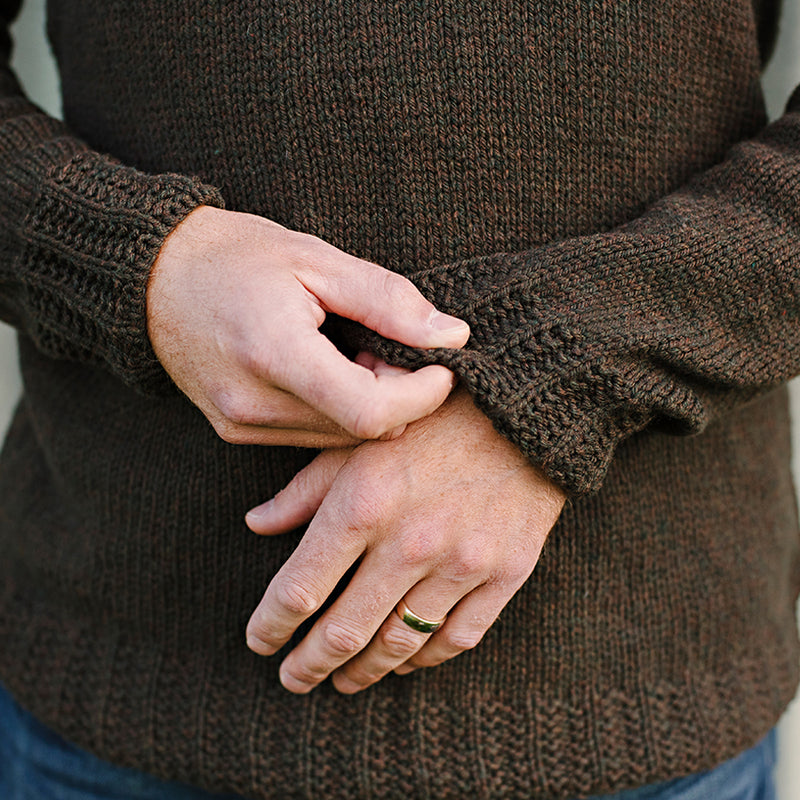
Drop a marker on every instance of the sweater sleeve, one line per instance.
(78, 235)
(668, 320)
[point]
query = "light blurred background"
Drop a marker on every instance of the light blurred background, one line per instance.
(37, 72)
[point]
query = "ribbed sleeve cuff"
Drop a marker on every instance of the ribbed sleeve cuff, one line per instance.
(527, 369)
(91, 236)
(532, 369)
(552, 367)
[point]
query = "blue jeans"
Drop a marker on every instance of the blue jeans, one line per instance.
(36, 764)
(746, 777)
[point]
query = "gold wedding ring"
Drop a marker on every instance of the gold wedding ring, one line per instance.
(418, 623)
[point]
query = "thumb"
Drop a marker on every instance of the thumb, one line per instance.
(385, 302)
(299, 500)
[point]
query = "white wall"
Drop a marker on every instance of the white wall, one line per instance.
(38, 75)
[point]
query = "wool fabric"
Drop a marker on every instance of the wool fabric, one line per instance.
(594, 188)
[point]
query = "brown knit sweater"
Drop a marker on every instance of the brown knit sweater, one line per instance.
(546, 170)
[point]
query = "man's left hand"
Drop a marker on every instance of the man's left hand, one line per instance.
(449, 518)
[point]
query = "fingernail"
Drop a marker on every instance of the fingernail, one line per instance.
(444, 322)
(404, 669)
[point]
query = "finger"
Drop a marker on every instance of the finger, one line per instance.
(380, 367)
(299, 500)
(272, 437)
(464, 628)
(284, 437)
(255, 408)
(365, 404)
(396, 641)
(349, 625)
(272, 416)
(326, 552)
(385, 302)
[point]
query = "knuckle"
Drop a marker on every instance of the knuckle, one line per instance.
(308, 673)
(237, 409)
(309, 251)
(418, 548)
(303, 484)
(243, 410)
(459, 639)
(399, 642)
(427, 658)
(397, 290)
(362, 675)
(370, 420)
(229, 431)
(468, 562)
(364, 510)
(389, 289)
(511, 574)
(341, 640)
(296, 597)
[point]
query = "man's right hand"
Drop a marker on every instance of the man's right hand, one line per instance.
(234, 305)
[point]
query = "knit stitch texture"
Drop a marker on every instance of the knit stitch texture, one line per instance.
(593, 187)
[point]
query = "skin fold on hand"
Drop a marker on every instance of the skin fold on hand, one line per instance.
(234, 306)
(450, 517)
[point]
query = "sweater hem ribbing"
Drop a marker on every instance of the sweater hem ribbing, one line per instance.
(604, 738)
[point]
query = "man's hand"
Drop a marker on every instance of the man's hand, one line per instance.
(449, 518)
(234, 305)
